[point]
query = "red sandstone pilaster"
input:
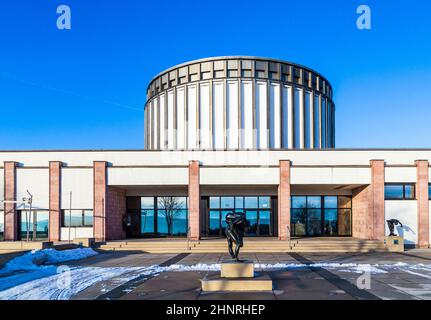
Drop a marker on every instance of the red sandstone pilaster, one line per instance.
(194, 199)
(378, 197)
(99, 205)
(115, 210)
(10, 215)
(422, 196)
(54, 200)
(284, 200)
(362, 214)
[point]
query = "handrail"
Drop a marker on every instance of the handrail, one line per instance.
(188, 238)
(288, 236)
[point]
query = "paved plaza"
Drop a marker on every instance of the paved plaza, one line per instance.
(300, 276)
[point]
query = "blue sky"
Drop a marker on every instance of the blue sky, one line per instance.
(84, 88)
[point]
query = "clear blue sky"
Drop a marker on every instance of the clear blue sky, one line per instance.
(84, 88)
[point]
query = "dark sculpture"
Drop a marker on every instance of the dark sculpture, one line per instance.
(236, 225)
(391, 224)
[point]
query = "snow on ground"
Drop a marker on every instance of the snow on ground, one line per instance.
(35, 259)
(62, 286)
(33, 275)
(37, 264)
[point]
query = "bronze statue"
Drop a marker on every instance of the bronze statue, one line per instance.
(236, 225)
(391, 224)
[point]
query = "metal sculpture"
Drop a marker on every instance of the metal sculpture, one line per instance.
(236, 226)
(391, 224)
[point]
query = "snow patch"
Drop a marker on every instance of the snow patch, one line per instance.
(36, 259)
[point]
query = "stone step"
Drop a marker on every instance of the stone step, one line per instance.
(184, 250)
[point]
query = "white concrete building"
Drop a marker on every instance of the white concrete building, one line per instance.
(222, 134)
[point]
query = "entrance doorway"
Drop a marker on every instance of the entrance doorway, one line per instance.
(161, 216)
(313, 216)
(258, 211)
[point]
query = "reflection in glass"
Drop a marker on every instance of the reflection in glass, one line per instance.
(251, 216)
(264, 202)
(227, 202)
(71, 218)
(264, 222)
(394, 191)
(239, 202)
(251, 202)
(172, 216)
(147, 202)
(179, 226)
(331, 222)
(344, 202)
(214, 223)
(344, 222)
(409, 191)
(314, 202)
(314, 222)
(299, 202)
(214, 202)
(330, 202)
(88, 218)
(77, 218)
(147, 221)
(298, 222)
(37, 222)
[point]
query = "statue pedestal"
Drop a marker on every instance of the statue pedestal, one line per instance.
(394, 243)
(237, 269)
(237, 276)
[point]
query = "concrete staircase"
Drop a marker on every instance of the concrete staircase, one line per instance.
(251, 245)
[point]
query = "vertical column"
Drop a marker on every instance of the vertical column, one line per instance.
(362, 215)
(422, 196)
(194, 199)
(284, 200)
(378, 198)
(99, 205)
(54, 200)
(10, 215)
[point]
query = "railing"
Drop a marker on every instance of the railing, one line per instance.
(188, 239)
(288, 236)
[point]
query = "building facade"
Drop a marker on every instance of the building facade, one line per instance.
(194, 169)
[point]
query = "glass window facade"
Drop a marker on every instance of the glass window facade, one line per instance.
(297, 117)
(400, 191)
(316, 126)
(36, 222)
(258, 211)
(321, 216)
(307, 120)
(162, 216)
(77, 218)
(172, 216)
(323, 123)
(1, 225)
